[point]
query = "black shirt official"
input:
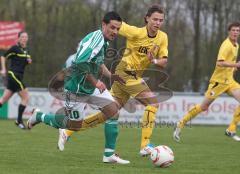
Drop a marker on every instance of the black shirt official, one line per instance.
(18, 57)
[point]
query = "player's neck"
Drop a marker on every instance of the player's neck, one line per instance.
(233, 41)
(151, 33)
(22, 45)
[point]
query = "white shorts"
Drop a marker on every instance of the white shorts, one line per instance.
(97, 100)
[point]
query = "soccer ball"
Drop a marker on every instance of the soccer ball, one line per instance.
(162, 156)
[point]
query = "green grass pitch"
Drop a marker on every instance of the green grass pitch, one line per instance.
(203, 150)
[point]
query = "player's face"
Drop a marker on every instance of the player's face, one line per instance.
(234, 33)
(155, 21)
(23, 39)
(111, 29)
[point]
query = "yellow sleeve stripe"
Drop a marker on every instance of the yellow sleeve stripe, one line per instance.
(10, 54)
(19, 55)
(24, 55)
(15, 78)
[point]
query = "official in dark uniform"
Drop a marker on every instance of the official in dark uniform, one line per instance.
(19, 57)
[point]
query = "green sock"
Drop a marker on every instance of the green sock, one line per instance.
(57, 121)
(111, 133)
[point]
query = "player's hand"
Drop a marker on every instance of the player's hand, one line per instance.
(150, 54)
(115, 77)
(101, 86)
(238, 65)
(162, 62)
(29, 60)
(3, 72)
(235, 70)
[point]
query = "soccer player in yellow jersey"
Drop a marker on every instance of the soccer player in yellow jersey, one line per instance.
(222, 81)
(147, 45)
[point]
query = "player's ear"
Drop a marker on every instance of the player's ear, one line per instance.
(103, 25)
(146, 19)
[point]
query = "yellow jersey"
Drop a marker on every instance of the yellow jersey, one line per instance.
(137, 46)
(227, 52)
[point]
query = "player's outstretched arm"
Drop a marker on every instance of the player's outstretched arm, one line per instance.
(112, 77)
(97, 83)
(222, 63)
(105, 72)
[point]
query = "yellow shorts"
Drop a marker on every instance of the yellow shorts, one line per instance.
(133, 86)
(215, 89)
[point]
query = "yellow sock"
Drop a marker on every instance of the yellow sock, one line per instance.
(93, 120)
(190, 115)
(69, 132)
(236, 119)
(148, 123)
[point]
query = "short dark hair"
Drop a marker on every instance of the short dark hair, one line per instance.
(234, 24)
(112, 15)
(152, 9)
(20, 33)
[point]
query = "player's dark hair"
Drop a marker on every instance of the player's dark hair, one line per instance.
(112, 15)
(154, 8)
(234, 24)
(20, 33)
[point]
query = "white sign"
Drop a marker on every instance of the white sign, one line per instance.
(169, 112)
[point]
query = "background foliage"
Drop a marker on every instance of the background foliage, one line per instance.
(195, 29)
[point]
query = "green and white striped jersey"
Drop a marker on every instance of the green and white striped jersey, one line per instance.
(89, 57)
(69, 61)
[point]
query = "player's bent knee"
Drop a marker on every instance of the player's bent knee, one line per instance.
(204, 108)
(111, 110)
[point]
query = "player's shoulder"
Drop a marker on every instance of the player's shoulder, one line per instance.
(226, 43)
(226, 46)
(95, 33)
(161, 37)
(94, 36)
(14, 48)
(162, 34)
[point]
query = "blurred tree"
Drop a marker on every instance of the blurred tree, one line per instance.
(195, 29)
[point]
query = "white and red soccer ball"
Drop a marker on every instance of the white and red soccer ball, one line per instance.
(162, 156)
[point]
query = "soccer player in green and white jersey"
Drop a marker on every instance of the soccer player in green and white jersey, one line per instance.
(83, 84)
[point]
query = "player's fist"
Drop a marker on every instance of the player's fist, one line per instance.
(163, 61)
(29, 60)
(238, 65)
(101, 86)
(151, 52)
(150, 56)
